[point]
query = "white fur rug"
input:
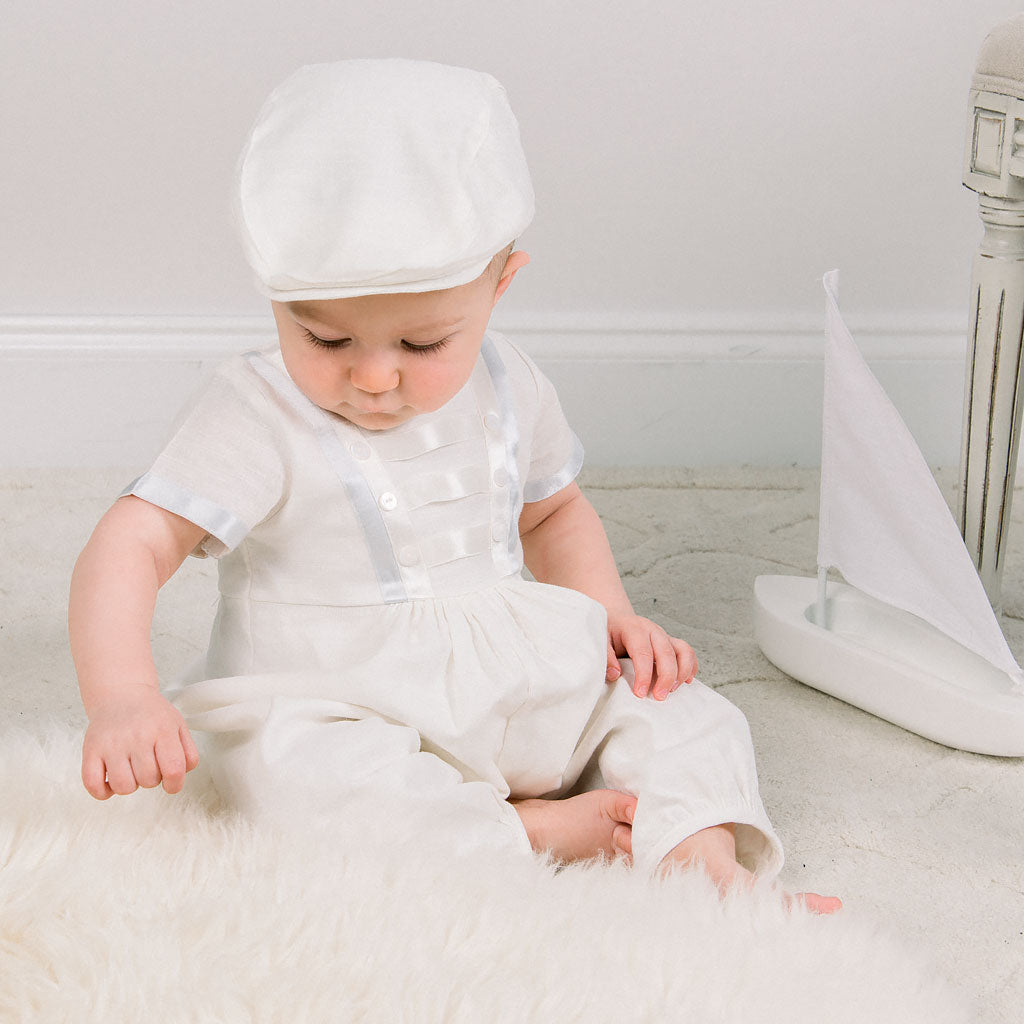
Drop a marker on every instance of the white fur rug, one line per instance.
(161, 909)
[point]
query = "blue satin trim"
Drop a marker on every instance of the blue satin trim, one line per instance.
(510, 430)
(538, 490)
(225, 526)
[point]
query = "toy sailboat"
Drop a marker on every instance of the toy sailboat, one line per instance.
(910, 636)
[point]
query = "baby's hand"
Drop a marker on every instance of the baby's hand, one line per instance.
(136, 740)
(660, 662)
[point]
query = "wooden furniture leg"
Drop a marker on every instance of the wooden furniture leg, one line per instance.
(994, 168)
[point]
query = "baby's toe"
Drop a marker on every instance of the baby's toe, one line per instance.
(622, 840)
(621, 807)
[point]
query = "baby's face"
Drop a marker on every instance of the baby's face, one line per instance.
(379, 360)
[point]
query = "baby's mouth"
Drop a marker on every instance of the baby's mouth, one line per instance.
(349, 410)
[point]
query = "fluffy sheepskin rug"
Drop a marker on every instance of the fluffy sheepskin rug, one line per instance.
(161, 909)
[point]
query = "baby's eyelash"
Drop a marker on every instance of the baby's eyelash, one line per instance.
(320, 342)
(434, 346)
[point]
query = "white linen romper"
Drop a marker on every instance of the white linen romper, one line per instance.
(378, 660)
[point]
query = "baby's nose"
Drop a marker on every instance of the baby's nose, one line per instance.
(374, 374)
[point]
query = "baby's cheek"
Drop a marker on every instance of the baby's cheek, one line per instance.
(311, 374)
(435, 385)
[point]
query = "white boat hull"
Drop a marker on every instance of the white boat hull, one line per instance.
(889, 663)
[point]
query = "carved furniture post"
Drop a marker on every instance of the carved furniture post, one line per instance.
(994, 168)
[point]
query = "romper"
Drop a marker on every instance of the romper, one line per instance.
(379, 662)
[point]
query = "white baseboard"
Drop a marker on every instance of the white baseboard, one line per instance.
(640, 390)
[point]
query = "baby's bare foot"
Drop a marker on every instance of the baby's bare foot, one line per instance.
(715, 850)
(580, 827)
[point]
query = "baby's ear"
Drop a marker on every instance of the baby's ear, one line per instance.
(513, 265)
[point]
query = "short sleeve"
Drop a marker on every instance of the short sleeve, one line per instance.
(221, 469)
(555, 454)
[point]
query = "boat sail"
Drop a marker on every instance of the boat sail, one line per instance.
(910, 636)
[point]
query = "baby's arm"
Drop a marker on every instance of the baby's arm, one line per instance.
(136, 737)
(564, 543)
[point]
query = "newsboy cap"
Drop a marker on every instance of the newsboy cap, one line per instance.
(368, 176)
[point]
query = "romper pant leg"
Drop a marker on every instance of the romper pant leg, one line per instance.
(326, 765)
(689, 760)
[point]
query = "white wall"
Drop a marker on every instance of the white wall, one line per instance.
(698, 166)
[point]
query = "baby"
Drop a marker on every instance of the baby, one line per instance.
(372, 488)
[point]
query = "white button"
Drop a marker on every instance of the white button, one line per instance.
(388, 501)
(500, 477)
(361, 450)
(408, 555)
(492, 422)
(498, 532)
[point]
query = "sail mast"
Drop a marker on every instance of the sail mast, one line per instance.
(819, 615)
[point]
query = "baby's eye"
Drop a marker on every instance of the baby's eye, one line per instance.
(425, 349)
(323, 342)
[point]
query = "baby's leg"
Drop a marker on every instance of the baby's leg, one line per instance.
(315, 765)
(690, 760)
(593, 824)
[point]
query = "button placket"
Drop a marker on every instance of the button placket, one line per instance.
(395, 515)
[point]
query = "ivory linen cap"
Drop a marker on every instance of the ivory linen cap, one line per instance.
(369, 176)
